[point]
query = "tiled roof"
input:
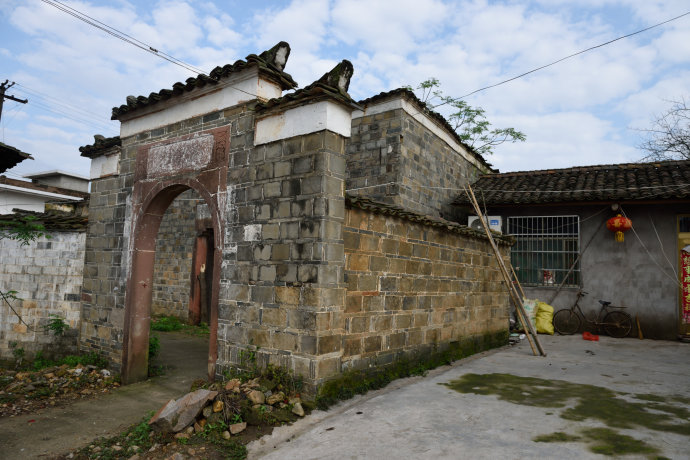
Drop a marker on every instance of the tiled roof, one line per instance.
(411, 96)
(266, 62)
(327, 85)
(99, 146)
(665, 180)
(11, 157)
(368, 204)
(54, 221)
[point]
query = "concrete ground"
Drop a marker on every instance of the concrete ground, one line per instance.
(420, 418)
(57, 430)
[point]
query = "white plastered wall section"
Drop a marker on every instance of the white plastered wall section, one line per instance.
(237, 89)
(425, 121)
(105, 165)
(302, 120)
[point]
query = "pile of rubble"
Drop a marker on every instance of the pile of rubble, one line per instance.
(234, 404)
(28, 391)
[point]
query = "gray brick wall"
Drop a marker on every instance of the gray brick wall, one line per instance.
(281, 287)
(412, 288)
(174, 247)
(47, 275)
(393, 158)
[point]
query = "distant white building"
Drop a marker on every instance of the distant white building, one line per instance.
(44, 188)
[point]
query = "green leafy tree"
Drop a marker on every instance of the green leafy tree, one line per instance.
(23, 229)
(669, 136)
(469, 122)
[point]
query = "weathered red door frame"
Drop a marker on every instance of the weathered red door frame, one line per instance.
(138, 297)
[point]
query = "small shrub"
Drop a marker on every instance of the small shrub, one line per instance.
(154, 346)
(56, 325)
(17, 352)
(154, 349)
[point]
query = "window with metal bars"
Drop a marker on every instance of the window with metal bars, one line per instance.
(546, 249)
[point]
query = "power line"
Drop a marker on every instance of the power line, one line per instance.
(571, 56)
(120, 35)
(133, 41)
(78, 119)
(57, 101)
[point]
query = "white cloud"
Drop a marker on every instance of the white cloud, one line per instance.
(396, 28)
(561, 140)
(302, 24)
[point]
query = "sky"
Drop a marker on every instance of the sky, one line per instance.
(583, 111)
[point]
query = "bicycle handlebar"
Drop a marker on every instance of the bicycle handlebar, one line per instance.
(582, 293)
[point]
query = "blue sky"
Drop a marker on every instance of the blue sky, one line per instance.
(582, 111)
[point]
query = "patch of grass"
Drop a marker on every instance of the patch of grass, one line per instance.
(610, 442)
(558, 436)
(173, 323)
(355, 382)
(166, 324)
(87, 359)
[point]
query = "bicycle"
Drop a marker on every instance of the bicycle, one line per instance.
(615, 323)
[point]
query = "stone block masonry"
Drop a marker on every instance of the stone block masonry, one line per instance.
(413, 286)
(47, 275)
(173, 263)
(304, 282)
(281, 286)
(400, 153)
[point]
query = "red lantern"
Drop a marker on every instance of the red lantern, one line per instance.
(619, 224)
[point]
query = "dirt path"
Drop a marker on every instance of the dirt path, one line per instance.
(57, 430)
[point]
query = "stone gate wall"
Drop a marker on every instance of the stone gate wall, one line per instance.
(281, 286)
(108, 237)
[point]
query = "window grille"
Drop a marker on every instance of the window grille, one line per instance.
(545, 249)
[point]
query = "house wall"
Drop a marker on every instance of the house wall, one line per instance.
(47, 275)
(173, 263)
(638, 274)
(412, 287)
(10, 200)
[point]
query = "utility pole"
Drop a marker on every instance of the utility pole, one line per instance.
(4, 87)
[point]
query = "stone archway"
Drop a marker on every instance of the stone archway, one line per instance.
(139, 288)
(155, 187)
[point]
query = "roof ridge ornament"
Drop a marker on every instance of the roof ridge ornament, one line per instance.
(277, 56)
(339, 76)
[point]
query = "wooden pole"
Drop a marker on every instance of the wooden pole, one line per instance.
(512, 270)
(531, 333)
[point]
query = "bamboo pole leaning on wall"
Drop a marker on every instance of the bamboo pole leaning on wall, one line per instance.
(515, 296)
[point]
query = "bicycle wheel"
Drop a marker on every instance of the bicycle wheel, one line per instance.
(566, 322)
(617, 324)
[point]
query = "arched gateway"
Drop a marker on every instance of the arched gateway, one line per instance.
(310, 281)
